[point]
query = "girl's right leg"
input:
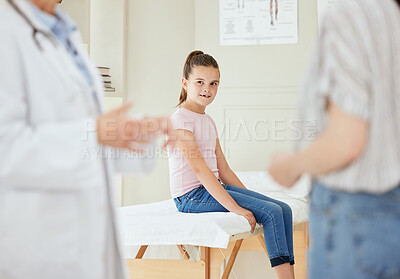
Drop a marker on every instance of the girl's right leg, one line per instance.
(267, 213)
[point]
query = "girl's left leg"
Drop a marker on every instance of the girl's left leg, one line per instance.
(284, 271)
(286, 210)
(269, 214)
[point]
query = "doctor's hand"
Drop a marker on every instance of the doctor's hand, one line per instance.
(284, 169)
(119, 131)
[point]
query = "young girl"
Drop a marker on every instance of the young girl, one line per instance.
(201, 179)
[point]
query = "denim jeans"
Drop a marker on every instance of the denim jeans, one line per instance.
(354, 235)
(275, 216)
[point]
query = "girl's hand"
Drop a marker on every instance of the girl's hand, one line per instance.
(284, 169)
(249, 216)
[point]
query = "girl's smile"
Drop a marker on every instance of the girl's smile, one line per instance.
(205, 95)
(201, 88)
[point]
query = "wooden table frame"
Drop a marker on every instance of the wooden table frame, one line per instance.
(211, 259)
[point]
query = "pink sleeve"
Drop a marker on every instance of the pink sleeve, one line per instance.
(215, 126)
(180, 121)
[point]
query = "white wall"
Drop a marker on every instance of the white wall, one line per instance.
(79, 11)
(149, 41)
(1, 2)
(160, 35)
(259, 87)
(257, 82)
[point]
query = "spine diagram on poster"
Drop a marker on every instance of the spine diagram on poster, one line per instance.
(271, 11)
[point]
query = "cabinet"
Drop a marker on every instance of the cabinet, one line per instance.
(103, 27)
(102, 24)
(110, 103)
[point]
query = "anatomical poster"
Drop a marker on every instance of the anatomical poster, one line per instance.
(258, 22)
(323, 7)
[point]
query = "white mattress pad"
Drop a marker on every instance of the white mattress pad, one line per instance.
(160, 223)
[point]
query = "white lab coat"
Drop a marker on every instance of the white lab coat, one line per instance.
(57, 216)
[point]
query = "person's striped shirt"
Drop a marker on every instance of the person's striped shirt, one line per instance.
(357, 67)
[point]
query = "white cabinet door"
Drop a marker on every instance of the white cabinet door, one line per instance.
(111, 103)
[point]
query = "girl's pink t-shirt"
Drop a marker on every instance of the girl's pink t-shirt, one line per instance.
(182, 178)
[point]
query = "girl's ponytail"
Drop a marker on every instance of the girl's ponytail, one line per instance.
(195, 58)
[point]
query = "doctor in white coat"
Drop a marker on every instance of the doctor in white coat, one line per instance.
(57, 216)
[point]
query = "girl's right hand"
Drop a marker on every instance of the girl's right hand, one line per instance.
(249, 216)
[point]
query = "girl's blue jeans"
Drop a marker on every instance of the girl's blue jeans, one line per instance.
(354, 235)
(275, 216)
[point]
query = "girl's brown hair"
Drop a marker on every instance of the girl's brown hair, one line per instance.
(195, 58)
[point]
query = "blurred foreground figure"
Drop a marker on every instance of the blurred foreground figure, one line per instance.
(352, 91)
(57, 216)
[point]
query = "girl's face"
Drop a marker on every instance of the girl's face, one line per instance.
(201, 86)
